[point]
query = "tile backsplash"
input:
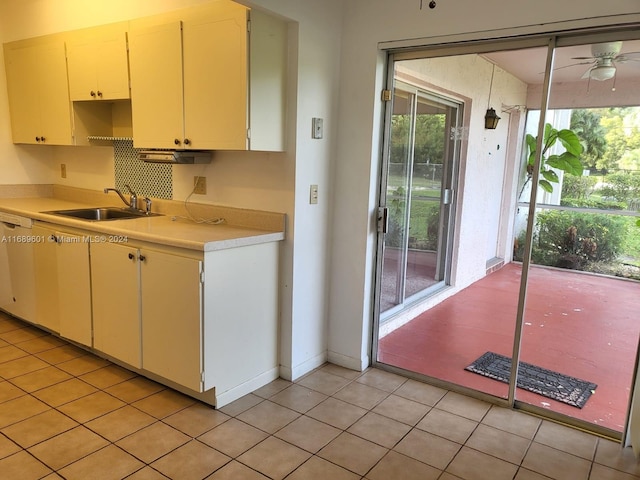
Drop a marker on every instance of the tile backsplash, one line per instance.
(146, 179)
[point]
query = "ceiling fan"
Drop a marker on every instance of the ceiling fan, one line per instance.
(603, 60)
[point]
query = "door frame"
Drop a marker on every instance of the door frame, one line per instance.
(551, 41)
(448, 196)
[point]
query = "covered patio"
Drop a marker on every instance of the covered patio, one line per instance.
(577, 324)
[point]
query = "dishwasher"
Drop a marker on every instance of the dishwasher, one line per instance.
(17, 277)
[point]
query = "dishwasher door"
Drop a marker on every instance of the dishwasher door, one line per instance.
(17, 278)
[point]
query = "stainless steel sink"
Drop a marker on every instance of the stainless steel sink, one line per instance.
(100, 214)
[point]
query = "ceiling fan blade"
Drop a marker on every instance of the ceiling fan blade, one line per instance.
(626, 57)
(583, 58)
(573, 65)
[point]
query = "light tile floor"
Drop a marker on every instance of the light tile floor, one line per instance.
(68, 414)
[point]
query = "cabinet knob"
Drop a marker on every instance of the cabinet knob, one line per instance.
(187, 141)
(142, 258)
(37, 139)
(99, 93)
(177, 141)
(53, 239)
(131, 256)
(92, 93)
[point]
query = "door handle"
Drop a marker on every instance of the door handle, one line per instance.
(447, 196)
(383, 219)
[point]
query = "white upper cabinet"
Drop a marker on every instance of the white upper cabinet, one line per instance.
(209, 77)
(155, 55)
(192, 82)
(97, 63)
(38, 91)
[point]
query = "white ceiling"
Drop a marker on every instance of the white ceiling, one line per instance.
(528, 65)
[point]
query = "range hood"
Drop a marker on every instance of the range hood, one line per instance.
(175, 156)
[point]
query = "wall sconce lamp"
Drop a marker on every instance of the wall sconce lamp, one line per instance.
(491, 118)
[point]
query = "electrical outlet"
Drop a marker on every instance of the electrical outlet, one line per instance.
(63, 170)
(313, 194)
(200, 185)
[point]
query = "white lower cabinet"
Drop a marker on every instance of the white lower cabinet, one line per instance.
(74, 287)
(115, 278)
(205, 322)
(63, 283)
(147, 310)
(17, 285)
(46, 283)
(171, 307)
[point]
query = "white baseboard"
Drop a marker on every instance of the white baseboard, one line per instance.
(249, 386)
(352, 363)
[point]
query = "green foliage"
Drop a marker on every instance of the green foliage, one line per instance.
(623, 187)
(578, 187)
(423, 221)
(586, 124)
(622, 139)
(428, 145)
(573, 240)
(568, 161)
(595, 203)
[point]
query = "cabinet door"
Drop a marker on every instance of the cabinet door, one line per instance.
(97, 64)
(171, 303)
(74, 287)
(216, 78)
(46, 273)
(55, 107)
(22, 86)
(19, 250)
(38, 93)
(155, 57)
(115, 288)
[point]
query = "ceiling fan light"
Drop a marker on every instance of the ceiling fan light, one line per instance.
(604, 72)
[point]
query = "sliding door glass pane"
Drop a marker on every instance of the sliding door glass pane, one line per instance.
(580, 330)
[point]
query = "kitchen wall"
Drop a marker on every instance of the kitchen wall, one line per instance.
(337, 74)
(368, 26)
(267, 181)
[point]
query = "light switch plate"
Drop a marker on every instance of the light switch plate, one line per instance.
(317, 128)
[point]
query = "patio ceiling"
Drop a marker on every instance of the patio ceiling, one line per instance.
(528, 65)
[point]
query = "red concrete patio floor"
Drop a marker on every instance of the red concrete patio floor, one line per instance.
(581, 325)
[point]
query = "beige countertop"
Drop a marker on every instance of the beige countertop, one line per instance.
(171, 228)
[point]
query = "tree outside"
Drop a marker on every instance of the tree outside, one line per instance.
(597, 242)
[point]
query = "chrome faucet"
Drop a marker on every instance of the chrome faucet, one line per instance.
(133, 198)
(132, 203)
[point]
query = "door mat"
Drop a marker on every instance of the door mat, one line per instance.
(563, 388)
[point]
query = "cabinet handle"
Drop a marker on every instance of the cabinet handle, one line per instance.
(42, 139)
(99, 93)
(131, 256)
(142, 258)
(37, 139)
(187, 141)
(92, 93)
(176, 141)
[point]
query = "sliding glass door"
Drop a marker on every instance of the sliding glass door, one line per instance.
(509, 264)
(580, 329)
(419, 189)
